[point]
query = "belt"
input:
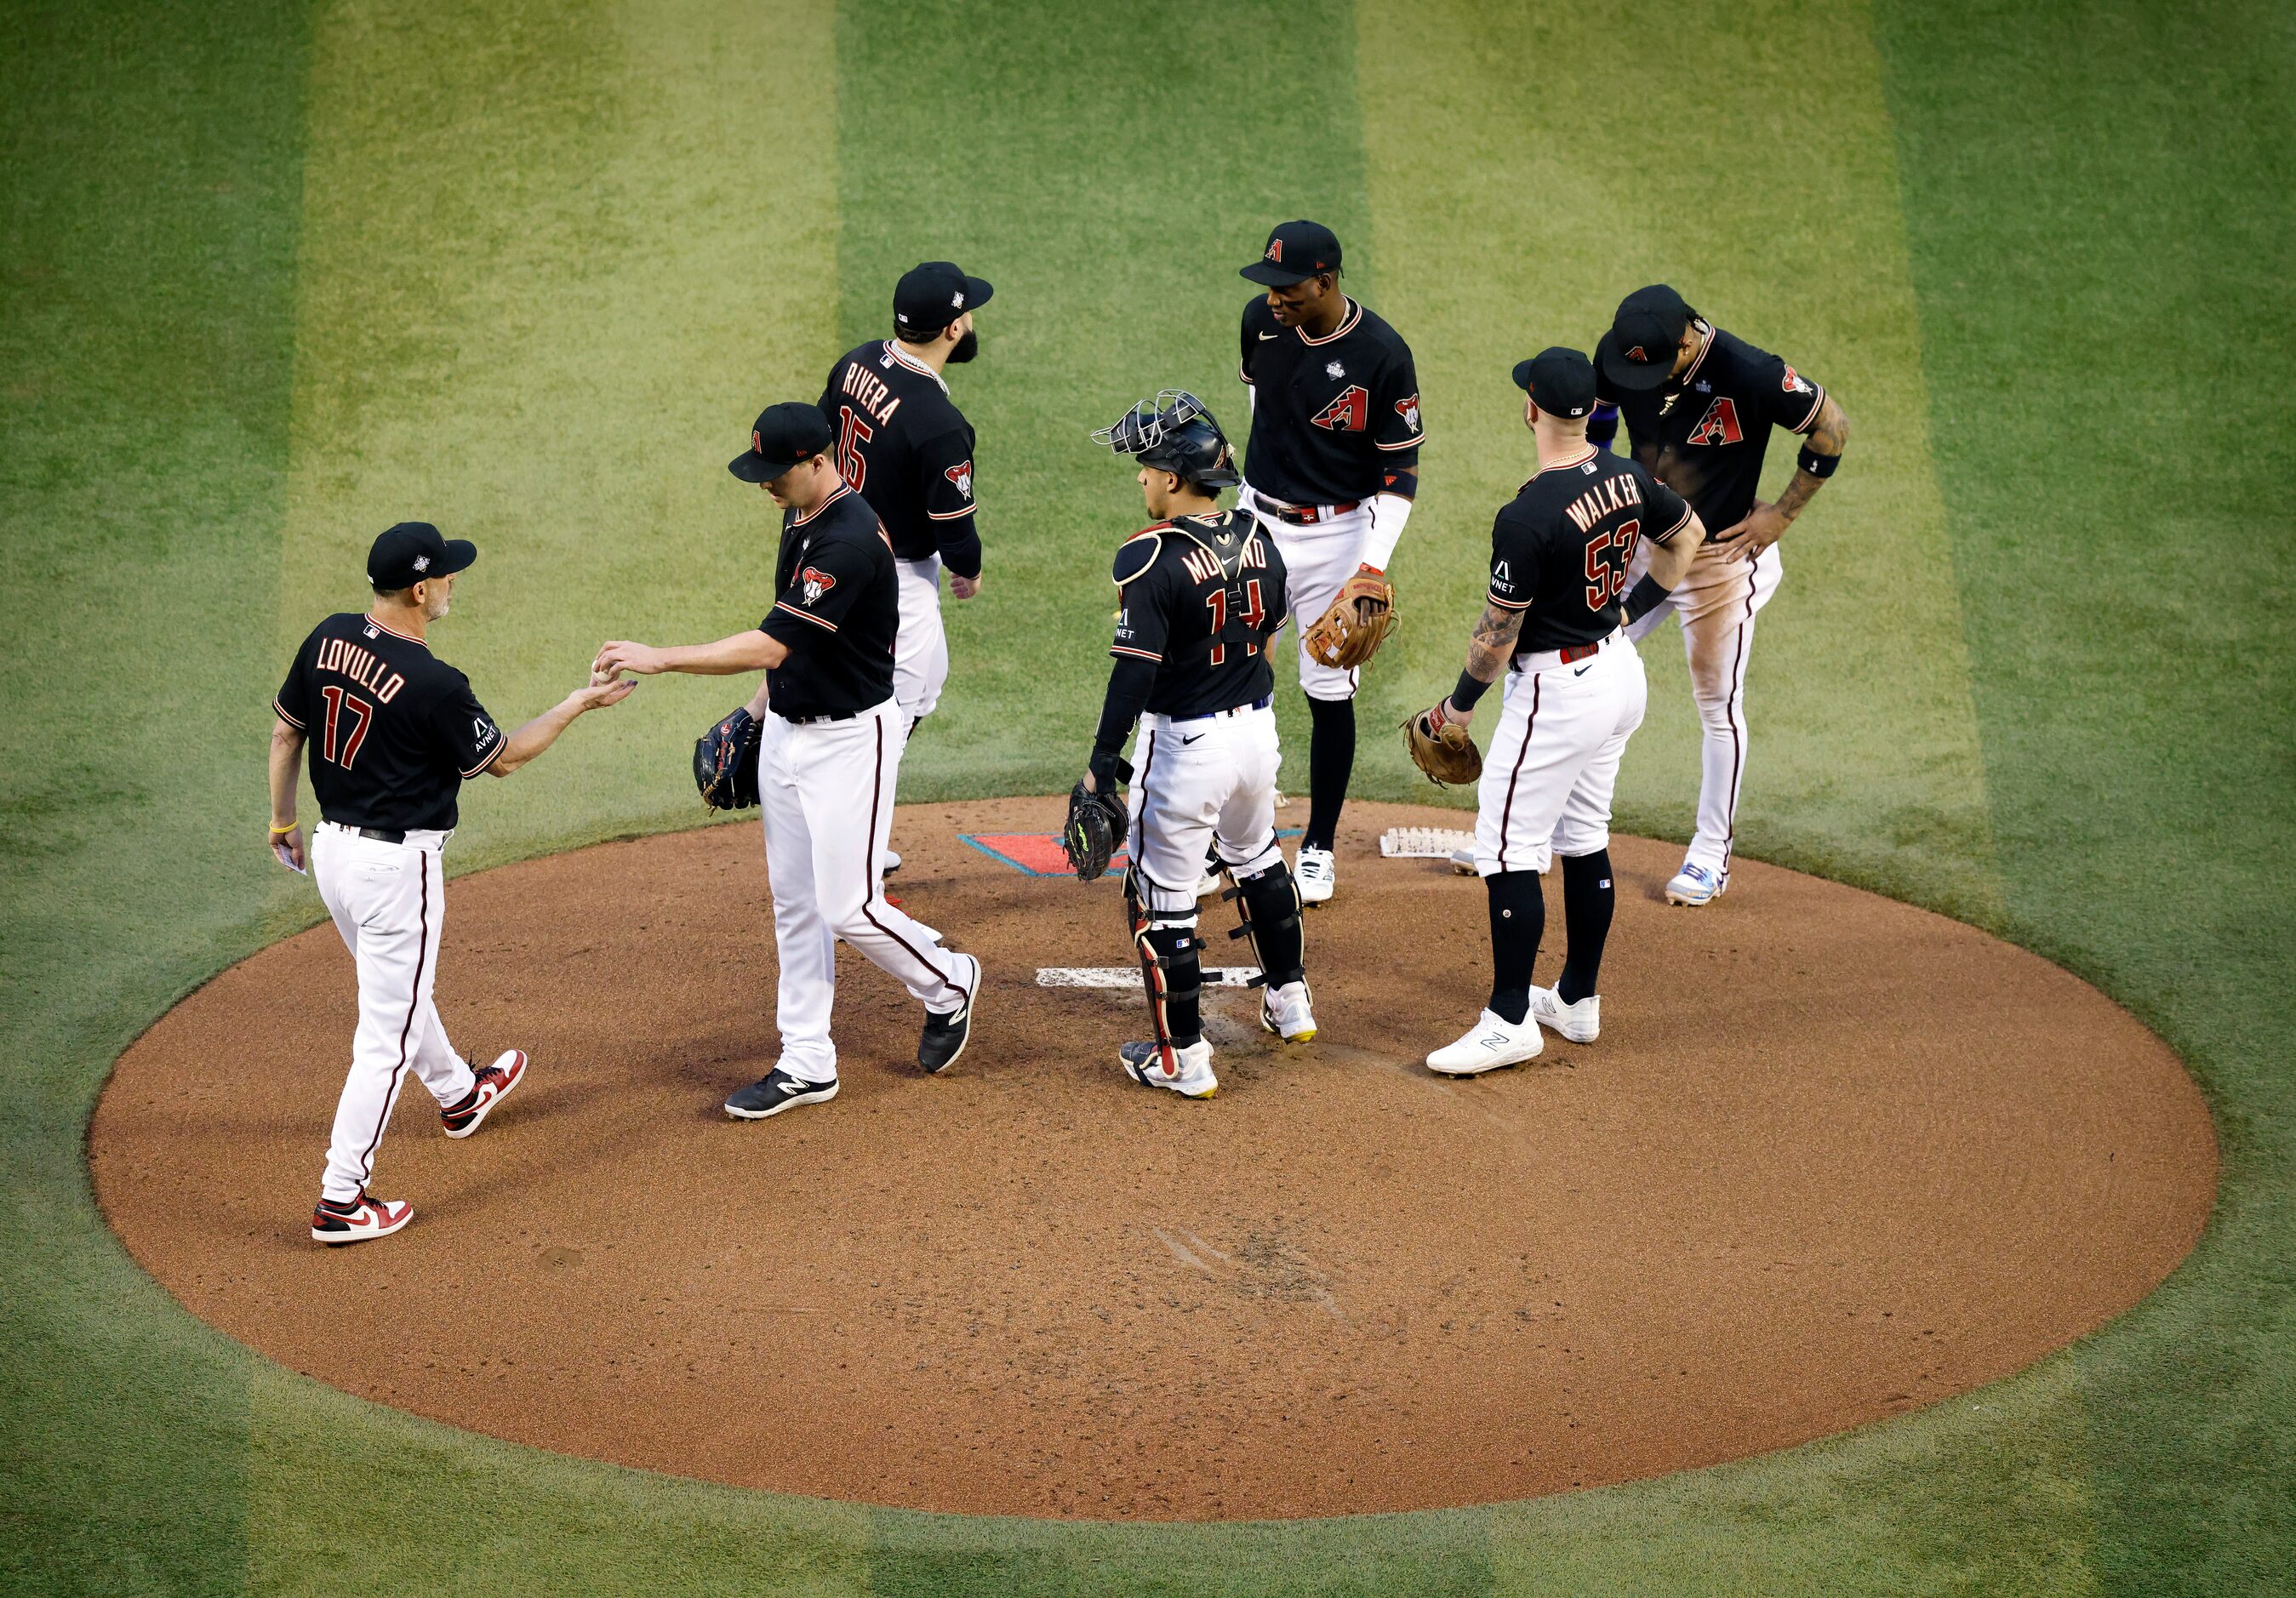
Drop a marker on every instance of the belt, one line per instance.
(815, 721)
(380, 835)
(1258, 704)
(1548, 659)
(1302, 515)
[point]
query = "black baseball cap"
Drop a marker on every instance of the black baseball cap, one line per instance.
(786, 435)
(405, 555)
(1561, 381)
(1638, 351)
(933, 294)
(1296, 251)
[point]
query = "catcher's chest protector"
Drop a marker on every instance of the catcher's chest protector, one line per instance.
(1226, 556)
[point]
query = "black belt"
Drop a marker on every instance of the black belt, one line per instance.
(815, 721)
(1303, 515)
(1258, 704)
(380, 835)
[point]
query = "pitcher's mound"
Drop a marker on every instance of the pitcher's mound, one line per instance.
(1832, 1159)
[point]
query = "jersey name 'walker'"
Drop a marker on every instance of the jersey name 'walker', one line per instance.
(836, 609)
(904, 444)
(393, 730)
(1712, 427)
(1332, 419)
(1563, 544)
(1202, 607)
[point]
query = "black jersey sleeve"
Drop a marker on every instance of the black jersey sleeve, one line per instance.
(1395, 425)
(1255, 321)
(1514, 560)
(1669, 513)
(821, 591)
(1789, 399)
(466, 736)
(1143, 622)
(944, 464)
(293, 700)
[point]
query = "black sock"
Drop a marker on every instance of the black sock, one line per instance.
(1587, 900)
(1331, 761)
(1518, 919)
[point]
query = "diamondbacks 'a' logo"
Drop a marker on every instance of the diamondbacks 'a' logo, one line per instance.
(1351, 413)
(1795, 383)
(817, 583)
(962, 476)
(1636, 354)
(1408, 409)
(757, 441)
(1719, 425)
(1275, 249)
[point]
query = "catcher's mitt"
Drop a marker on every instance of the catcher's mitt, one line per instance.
(1441, 747)
(1358, 622)
(725, 762)
(1089, 836)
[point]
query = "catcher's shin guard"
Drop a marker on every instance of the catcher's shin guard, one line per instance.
(1268, 902)
(1170, 969)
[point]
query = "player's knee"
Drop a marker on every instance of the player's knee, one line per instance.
(1574, 838)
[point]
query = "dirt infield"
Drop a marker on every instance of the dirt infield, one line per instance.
(1832, 1159)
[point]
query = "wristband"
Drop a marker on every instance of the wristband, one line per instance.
(1469, 689)
(1817, 465)
(1603, 425)
(1645, 596)
(289, 827)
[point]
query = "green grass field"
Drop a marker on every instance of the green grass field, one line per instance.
(273, 276)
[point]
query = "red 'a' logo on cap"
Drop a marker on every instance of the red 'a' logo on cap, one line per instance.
(757, 441)
(1275, 249)
(1636, 354)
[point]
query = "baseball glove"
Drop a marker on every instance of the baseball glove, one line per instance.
(1358, 622)
(1096, 821)
(1441, 747)
(725, 762)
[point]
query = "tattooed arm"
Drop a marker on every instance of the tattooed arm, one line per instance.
(1764, 525)
(1488, 654)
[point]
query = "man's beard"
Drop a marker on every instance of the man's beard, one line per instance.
(966, 347)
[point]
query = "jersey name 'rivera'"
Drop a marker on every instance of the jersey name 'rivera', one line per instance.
(1202, 595)
(393, 730)
(1563, 544)
(904, 444)
(1332, 419)
(836, 606)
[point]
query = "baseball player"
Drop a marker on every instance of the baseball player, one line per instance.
(1575, 693)
(907, 449)
(829, 753)
(396, 732)
(1202, 593)
(1699, 405)
(1332, 468)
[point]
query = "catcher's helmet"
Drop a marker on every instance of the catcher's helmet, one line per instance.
(1174, 432)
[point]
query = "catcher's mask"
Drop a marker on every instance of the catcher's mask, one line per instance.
(1174, 432)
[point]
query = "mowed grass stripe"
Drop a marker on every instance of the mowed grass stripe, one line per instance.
(2096, 199)
(1108, 170)
(551, 262)
(1515, 201)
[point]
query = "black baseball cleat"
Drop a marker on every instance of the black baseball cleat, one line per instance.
(775, 1092)
(945, 1035)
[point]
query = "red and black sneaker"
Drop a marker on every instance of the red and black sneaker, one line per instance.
(462, 1117)
(357, 1219)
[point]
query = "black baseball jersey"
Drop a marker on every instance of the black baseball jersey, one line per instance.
(393, 731)
(836, 607)
(1710, 429)
(1201, 597)
(1332, 419)
(908, 449)
(1563, 544)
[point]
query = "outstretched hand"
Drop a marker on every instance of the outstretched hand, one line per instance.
(620, 655)
(598, 695)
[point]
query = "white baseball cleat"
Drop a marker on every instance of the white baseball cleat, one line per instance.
(1490, 1043)
(892, 863)
(1581, 1022)
(1286, 1012)
(1143, 1062)
(1695, 885)
(1315, 875)
(1213, 880)
(1462, 862)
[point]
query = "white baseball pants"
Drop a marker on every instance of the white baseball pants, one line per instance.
(390, 902)
(827, 791)
(1205, 782)
(1553, 765)
(920, 649)
(1717, 602)
(1316, 560)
